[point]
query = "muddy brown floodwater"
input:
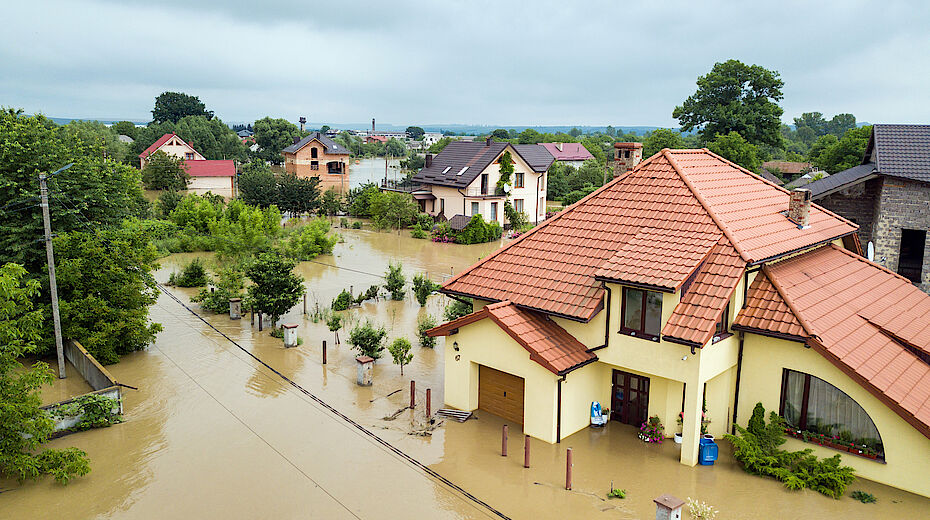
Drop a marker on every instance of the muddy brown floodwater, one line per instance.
(212, 433)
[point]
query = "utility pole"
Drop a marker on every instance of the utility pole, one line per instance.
(50, 254)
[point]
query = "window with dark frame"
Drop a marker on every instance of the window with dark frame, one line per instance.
(518, 183)
(723, 325)
(641, 313)
(810, 404)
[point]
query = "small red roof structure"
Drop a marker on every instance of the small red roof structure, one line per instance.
(548, 344)
(210, 168)
(156, 145)
(379, 138)
(871, 323)
(568, 151)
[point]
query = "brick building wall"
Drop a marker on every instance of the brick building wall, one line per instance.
(313, 161)
(858, 204)
(902, 204)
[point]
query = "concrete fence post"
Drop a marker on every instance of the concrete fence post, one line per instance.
(324, 351)
(363, 370)
(235, 308)
(568, 469)
(290, 335)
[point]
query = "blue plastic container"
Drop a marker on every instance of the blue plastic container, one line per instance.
(707, 452)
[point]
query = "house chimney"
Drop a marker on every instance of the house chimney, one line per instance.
(488, 141)
(372, 126)
(429, 160)
(296, 140)
(799, 207)
(303, 121)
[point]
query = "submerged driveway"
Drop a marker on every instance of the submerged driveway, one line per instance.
(211, 433)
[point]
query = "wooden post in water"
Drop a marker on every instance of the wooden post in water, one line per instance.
(413, 394)
(568, 469)
(259, 321)
(428, 411)
(252, 316)
(504, 441)
(526, 451)
(324, 351)
(305, 304)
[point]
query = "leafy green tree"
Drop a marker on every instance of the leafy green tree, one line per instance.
(661, 138)
(574, 132)
(24, 427)
(310, 241)
(105, 288)
(517, 219)
(395, 281)
(735, 97)
(529, 136)
(324, 129)
(257, 185)
(400, 352)
(841, 123)
(126, 128)
(413, 162)
(334, 323)
(424, 323)
(423, 287)
(439, 145)
(845, 153)
(272, 136)
(393, 210)
(95, 191)
(576, 195)
(500, 133)
(194, 274)
(395, 148)
(96, 135)
(820, 145)
(331, 203)
(415, 132)
(360, 199)
(611, 131)
(165, 172)
(167, 201)
(734, 148)
(366, 338)
(297, 195)
(227, 285)
(243, 230)
(342, 301)
(275, 288)
(170, 107)
(456, 310)
(211, 137)
(812, 124)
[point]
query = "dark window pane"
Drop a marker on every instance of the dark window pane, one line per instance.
(794, 394)
(653, 313)
(633, 309)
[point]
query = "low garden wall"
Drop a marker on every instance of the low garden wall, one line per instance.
(96, 376)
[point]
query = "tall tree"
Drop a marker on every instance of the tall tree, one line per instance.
(257, 185)
(126, 128)
(846, 152)
(165, 172)
(500, 133)
(272, 136)
(170, 107)
(395, 148)
(735, 97)
(415, 132)
(734, 148)
(24, 427)
(275, 288)
(298, 195)
(661, 138)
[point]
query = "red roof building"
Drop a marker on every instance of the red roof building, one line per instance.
(691, 287)
(568, 152)
(214, 176)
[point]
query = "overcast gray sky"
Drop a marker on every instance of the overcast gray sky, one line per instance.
(507, 63)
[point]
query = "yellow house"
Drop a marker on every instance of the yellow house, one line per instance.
(690, 287)
(462, 180)
(319, 156)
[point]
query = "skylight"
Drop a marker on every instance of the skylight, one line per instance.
(462, 171)
(446, 170)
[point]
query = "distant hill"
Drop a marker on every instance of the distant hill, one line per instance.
(486, 129)
(66, 120)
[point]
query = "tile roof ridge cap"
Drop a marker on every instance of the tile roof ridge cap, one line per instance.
(781, 292)
(865, 260)
(713, 215)
(536, 229)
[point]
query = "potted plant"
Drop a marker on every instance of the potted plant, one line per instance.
(680, 421)
(652, 430)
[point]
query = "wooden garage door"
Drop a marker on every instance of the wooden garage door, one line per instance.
(500, 393)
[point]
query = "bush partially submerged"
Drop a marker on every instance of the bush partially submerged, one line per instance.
(424, 323)
(366, 338)
(194, 274)
(227, 285)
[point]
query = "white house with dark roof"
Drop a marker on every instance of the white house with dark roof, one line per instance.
(462, 180)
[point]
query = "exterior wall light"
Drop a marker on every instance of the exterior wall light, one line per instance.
(455, 346)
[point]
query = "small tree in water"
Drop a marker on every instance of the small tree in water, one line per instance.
(276, 289)
(335, 323)
(400, 351)
(367, 339)
(424, 323)
(395, 281)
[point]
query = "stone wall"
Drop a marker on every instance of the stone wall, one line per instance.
(902, 204)
(96, 376)
(858, 204)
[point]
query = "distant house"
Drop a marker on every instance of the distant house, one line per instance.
(462, 180)
(773, 171)
(431, 138)
(571, 154)
(372, 139)
(806, 179)
(244, 133)
(319, 156)
(888, 195)
(215, 176)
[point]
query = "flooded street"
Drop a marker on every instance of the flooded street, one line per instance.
(212, 432)
(373, 170)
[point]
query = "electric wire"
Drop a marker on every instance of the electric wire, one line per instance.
(372, 435)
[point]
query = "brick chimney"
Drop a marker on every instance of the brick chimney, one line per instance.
(429, 160)
(626, 157)
(488, 141)
(799, 207)
(303, 121)
(296, 140)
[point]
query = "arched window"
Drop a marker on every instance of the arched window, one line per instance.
(811, 404)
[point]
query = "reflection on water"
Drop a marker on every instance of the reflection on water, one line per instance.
(211, 433)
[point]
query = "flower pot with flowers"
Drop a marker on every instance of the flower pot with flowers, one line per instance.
(652, 430)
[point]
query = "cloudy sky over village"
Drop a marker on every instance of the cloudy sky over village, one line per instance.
(498, 63)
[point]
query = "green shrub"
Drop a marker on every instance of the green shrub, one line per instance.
(342, 301)
(424, 323)
(310, 241)
(96, 411)
(343, 222)
(395, 281)
(759, 455)
(862, 496)
(517, 219)
(400, 352)
(477, 231)
(366, 338)
(194, 274)
(576, 195)
(228, 285)
(425, 221)
(417, 232)
(457, 309)
(356, 225)
(423, 287)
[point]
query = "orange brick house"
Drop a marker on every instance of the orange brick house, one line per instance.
(319, 156)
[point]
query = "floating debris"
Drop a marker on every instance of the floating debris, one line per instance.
(458, 415)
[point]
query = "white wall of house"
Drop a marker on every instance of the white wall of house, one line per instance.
(178, 148)
(216, 185)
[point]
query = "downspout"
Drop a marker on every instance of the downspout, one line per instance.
(537, 199)
(463, 199)
(558, 413)
(739, 369)
(607, 316)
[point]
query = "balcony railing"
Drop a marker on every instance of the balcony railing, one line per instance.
(486, 192)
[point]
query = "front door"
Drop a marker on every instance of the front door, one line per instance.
(629, 398)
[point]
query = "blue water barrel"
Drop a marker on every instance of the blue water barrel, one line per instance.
(707, 453)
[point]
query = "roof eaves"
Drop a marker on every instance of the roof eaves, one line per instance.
(576, 367)
(638, 285)
(794, 310)
(764, 332)
(580, 319)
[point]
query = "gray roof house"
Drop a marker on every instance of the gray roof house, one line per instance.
(888, 196)
(330, 145)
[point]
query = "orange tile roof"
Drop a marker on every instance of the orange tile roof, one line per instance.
(691, 196)
(853, 311)
(548, 344)
(694, 319)
(765, 310)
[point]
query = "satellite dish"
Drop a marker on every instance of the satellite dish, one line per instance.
(507, 188)
(870, 251)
